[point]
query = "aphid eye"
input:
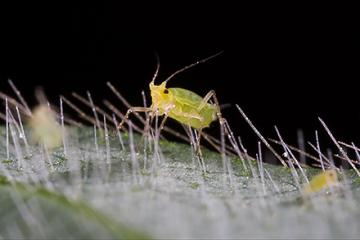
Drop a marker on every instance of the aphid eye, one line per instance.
(166, 91)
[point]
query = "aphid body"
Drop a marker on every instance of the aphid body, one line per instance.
(44, 128)
(321, 181)
(182, 105)
(185, 106)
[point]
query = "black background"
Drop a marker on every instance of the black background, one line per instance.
(285, 65)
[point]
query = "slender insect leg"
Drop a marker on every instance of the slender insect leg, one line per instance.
(206, 99)
(131, 110)
(224, 126)
(198, 149)
(158, 130)
(212, 95)
(163, 122)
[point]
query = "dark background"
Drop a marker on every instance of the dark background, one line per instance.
(285, 65)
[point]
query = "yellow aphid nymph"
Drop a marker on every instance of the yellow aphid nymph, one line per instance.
(44, 128)
(321, 181)
(182, 105)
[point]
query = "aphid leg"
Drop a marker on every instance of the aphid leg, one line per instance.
(224, 127)
(163, 122)
(131, 110)
(206, 99)
(158, 130)
(198, 149)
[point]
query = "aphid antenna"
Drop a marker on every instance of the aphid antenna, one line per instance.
(81, 114)
(157, 67)
(92, 106)
(324, 160)
(343, 153)
(118, 132)
(20, 97)
(290, 153)
(301, 145)
(260, 136)
(294, 173)
(192, 65)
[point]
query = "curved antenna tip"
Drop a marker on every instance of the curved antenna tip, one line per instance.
(193, 65)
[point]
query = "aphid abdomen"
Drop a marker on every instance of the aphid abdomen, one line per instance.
(189, 115)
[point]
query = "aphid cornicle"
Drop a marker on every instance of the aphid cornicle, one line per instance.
(183, 105)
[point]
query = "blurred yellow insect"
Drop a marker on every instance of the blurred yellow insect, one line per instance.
(44, 128)
(321, 181)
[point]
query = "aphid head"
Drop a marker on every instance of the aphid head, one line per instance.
(159, 93)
